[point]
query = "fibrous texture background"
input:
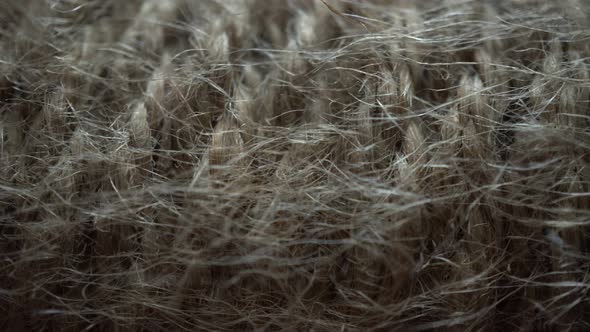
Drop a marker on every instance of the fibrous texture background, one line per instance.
(294, 165)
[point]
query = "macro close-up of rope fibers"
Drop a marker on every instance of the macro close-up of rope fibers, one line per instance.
(294, 165)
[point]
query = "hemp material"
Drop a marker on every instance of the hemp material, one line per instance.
(296, 165)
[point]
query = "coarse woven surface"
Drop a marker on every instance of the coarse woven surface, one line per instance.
(297, 165)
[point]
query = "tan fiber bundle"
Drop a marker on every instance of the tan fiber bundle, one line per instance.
(294, 165)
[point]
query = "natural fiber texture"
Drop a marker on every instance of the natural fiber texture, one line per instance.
(294, 165)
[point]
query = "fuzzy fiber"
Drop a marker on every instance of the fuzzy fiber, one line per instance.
(294, 165)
